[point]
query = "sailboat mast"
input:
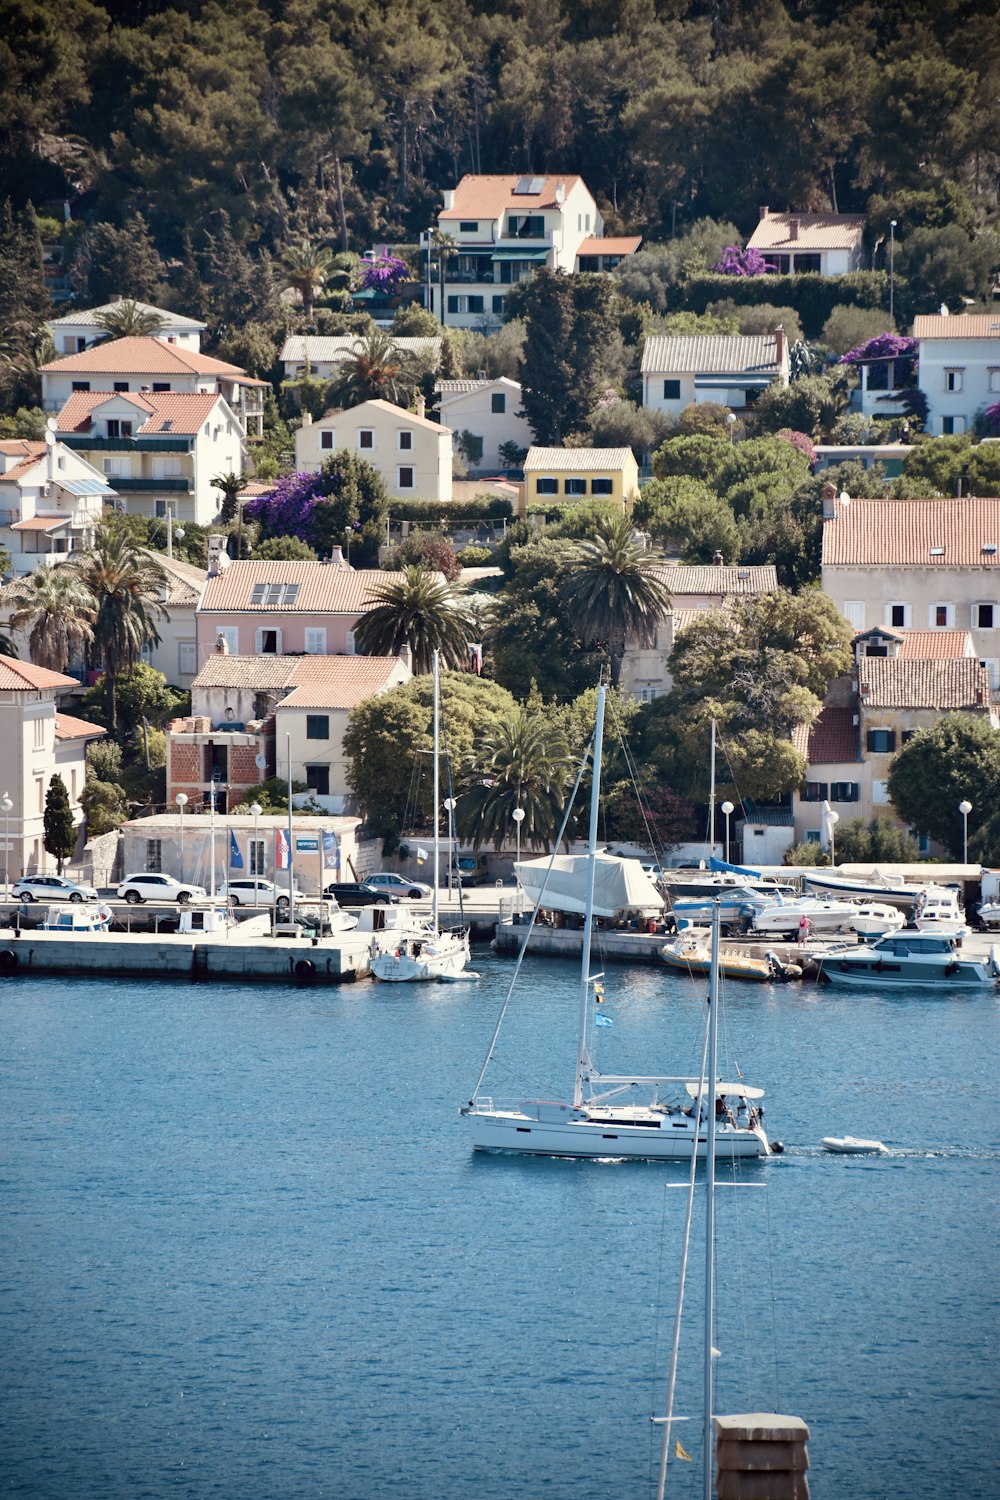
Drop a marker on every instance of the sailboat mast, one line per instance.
(709, 1104)
(582, 1057)
(711, 799)
(437, 783)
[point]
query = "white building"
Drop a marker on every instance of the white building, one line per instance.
(79, 329)
(958, 368)
(321, 358)
(731, 369)
(489, 410)
(823, 244)
(50, 501)
(412, 453)
(161, 451)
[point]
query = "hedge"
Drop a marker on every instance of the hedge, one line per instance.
(452, 512)
(813, 297)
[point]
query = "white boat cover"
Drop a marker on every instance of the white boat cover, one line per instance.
(619, 884)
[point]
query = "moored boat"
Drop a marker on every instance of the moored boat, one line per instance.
(690, 953)
(852, 1145)
(909, 960)
(874, 919)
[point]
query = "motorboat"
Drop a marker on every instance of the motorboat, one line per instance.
(690, 953)
(852, 1145)
(911, 960)
(875, 888)
(875, 918)
(77, 917)
(989, 913)
(784, 917)
(939, 906)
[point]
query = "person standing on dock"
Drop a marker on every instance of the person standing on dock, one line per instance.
(804, 925)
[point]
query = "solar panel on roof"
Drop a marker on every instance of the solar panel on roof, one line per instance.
(530, 187)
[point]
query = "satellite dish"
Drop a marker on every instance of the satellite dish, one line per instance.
(260, 762)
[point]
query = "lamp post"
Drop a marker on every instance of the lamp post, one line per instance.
(7, 806)
(170, 532)
(255, 812)
(834, 820)
(181, 800)
(727, 808)
(892, 266)
(518, 816)
(731, 420)
(965, 807)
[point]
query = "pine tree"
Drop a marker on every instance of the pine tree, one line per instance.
(59, 830)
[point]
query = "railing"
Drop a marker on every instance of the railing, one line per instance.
(150, 486)
(8, 517)
(470, 278)
(169, 443)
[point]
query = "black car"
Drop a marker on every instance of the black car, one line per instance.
(348, 893)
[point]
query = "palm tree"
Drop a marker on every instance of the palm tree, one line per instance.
(613, 591)
(125, 584)
(419, 611)
(230, 484)
(129, 319)
(524, 763)
(307, 269)
(58, 611)
(374, 371)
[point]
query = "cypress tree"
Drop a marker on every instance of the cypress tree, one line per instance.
(59, 831)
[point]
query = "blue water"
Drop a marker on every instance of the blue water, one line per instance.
(246, 1252)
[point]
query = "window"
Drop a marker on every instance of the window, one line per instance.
(574, 486)
(525, 226)
(897, 615)
(269, 642)
(118, 468)
(366, 438)
(671, 390)
(992, 665)
(815, 791)
(498, 304)
(166, 468)
(317, 726)
(940, 616)
(952, 426)
(405, 478)
(953, 380)
(546, 486)
(255, 848)
(187, 658)
(923, 843)
(326, 440)
(81, 385)
(154, 854)
(806, 265)
(164, 508)
(844, 791)
(498, 403)
(161, 385)
(468, 226)
(316, 641)
(318, 780)
(854, 613)
(880, 793)
(231, 635)
(601, 487)
(983, 616)
(881, 741)
(995, 380)
(811, 836)
(121, 385)
(273, 594)
(405, 440)
(464, 304)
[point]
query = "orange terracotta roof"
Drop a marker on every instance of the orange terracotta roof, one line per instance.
(142, 355)
(892, 682)
(17, 676)
(340, 682)
(68, 728)
(626, 244)
(913, 533)
(490, 197)
(185, 412)
(28, 455)
(323, 589)
(934, 645)
(42, 523)
(962, 326)
(832, 737)
(814, 232)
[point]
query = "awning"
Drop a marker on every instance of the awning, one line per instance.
(535, 255)
(85, 487)
(729, 382)
(42, 523)
(619, 884)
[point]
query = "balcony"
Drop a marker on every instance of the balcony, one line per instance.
(478, 277)
(169, 443)
(150, 486)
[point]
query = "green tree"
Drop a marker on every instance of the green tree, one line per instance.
(810, 405)
(284, 549)
(614, 591)
(127, 319)
(59, 836)
(570, 325)
(880, 842)
(305, 271)
(230, 485)
(375, 370)
(686, 518)
(847, 327)
(419, 611)
(143, 696)
(954, 760)
(58, 611)
(112, 263)
(105, 805)
(946, 265)
(622, 424)
(530, 638)
(523, 763)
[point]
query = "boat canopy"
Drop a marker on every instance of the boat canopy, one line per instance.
(694, 1088)
(619, 884)
(721, 865)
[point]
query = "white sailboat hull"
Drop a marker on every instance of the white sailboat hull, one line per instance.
(656, 1138)
(441, 956)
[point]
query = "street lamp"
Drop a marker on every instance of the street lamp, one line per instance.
(892, 265)
(255, 812)
(181, 800)
(965, 808)
(179, 533)
(727, 808)
(518, 816)
(7, 806)
(731, 419)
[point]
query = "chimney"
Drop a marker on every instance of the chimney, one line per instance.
(406, 657)
(763, 211)
(337, 558)
(216, 546)
(307, 419)
(560, 192)
(828, 495)
(449, 198)
(221, 646)
(793, 229)
(421, 406)
(779, 346)
(717, 561)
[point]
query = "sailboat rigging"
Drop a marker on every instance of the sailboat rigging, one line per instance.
(598, 1121)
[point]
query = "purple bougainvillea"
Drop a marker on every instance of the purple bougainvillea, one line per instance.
(991, 416)
(883, 346)
(290, 508)
(385, 273)
(800, 440)
(737, 262)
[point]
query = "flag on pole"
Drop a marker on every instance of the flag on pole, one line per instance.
(331, 851)
(282, 850)
(679, 1451)
(422, 855)
(235, 857)
(603, 1021)
(598, 992)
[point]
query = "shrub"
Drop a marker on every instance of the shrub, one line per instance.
(429, 549)
(475, 557)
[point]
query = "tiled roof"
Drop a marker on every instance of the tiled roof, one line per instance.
(253, 489)
(815, 232)
(143, 355)
(298, 347)
(17, 676)
(185, 580)
(28, 455)
(893, 682)
(832, 737)
(461, 387)
(711, 354)
(185, 413)
(322, 588)
(90, 317)
(309, 681)
(962, 326)
(42, 523)
(68, 728)
(934, 645)
(261, 672)
(563, 460)
(682, 579)
(621, 245)
(490, 197)
(913, 533)
(385, 409)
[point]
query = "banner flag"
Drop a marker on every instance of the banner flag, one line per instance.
(235, 857)
(282, 850)
(331, 851)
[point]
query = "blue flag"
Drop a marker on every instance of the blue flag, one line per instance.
(235, 857)
(331, 851)
(603, 1021)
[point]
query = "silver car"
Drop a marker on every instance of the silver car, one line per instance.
(52, 888)
(388, 883)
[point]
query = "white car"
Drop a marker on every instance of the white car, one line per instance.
(149, 887)
(388, 883)
(252, 892)
(52, 888)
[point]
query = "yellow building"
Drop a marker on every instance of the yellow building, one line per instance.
(569, 475)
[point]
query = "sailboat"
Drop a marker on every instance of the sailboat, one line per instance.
(424, 951)
(598, 1122)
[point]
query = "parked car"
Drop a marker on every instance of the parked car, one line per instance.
(470, 869)
(348, 893)
(391, 884)
(150, 887)
(252, 893)
(52, 888)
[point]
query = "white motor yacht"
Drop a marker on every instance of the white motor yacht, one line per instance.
(909, 960)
